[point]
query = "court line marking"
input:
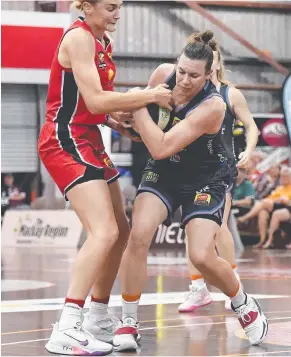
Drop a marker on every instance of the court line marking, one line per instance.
(154, 328)
(255, 353)
(186, 275)
(144, 321)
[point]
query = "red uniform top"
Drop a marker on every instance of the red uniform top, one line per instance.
(65, 104)
(70, 141)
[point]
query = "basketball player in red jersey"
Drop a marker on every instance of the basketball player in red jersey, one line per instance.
(71, 148)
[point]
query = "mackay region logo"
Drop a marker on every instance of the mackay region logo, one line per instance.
(29, 227)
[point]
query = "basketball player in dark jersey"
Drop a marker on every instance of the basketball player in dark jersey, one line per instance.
(188, 168)
(236, 108)
(80, 95)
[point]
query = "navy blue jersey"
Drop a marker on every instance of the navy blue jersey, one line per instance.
(203, 156)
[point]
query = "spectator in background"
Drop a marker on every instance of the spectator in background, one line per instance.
(11, 195)
(244, 192)
(253, 173)
(278, 199)
(267, 182)
(279, 216)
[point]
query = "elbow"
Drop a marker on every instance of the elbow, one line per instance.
(96, 105)
(95, 108)
(160, 155)
(157, 156)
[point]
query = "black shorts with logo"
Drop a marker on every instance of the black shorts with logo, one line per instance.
(204, 198)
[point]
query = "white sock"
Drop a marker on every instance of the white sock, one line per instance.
(236, 274)
(71, 316)
(98, 311)
(198, 283)
(129, 309)
(239, 299)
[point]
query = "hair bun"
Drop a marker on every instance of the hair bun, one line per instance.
(206, 36)
(194, 37)
(78, 4)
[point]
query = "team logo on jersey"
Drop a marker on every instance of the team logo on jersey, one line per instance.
(176, 121)
(152, 177)
(202, 199)
(101, 64)
(175, 158)
(109, 55)
(164, 118)
(110, 74)
(108, 162)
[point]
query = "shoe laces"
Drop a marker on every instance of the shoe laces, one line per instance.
(243, 314)
(130, 321)
(193, 290)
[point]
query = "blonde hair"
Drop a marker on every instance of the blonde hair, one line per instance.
(207, 38)
(78, 4)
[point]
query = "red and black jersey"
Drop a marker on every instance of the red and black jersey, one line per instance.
(70, 140)
(65, 104)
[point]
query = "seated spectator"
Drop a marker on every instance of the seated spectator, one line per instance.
(267, 182)
(278, 199)
(253, 173)
(244, 192)
(279, 216)
(11, 195)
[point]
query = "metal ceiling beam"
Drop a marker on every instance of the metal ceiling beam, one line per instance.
(264, 5)
(250, 4)
(206, 14)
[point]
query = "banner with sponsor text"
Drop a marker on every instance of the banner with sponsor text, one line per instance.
(47, 228)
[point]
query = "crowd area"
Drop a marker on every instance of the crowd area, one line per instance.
(262, 202)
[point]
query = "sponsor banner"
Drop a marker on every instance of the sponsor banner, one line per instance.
(273, 131)
(53, 228)
(169, 237)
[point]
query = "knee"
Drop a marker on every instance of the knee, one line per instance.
(200, 259)
(263, 215)
(140, 239)
(267, 204)
(108, 234)
(276, 216)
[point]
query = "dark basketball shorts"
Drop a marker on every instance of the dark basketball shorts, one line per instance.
(281, 206)
(203, 199)
(70, 169)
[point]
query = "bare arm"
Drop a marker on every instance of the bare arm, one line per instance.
(160, 74)
(122, 128)
(206, 118)
(242, 112)
(88, 80)
(245, 202)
